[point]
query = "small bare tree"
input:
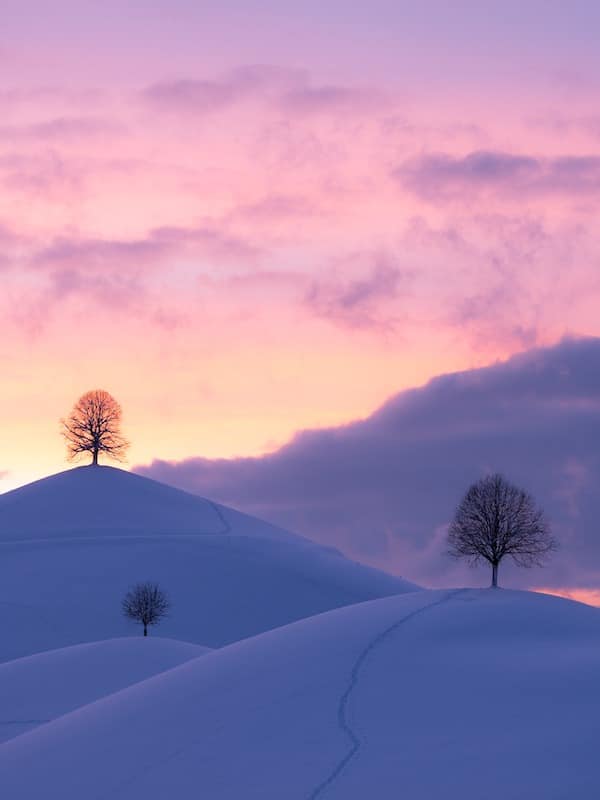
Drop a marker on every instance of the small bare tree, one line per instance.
(145, 603)
(496, 519)
(94, 426)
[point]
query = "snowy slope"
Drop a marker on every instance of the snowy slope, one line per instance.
(450, 694)
(71, 544)
(39, 688)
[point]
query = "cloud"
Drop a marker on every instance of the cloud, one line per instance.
(111, 288)
(61, 129)
(356, 302)
(46, 176)
(210, 240)
(199, 96)
(495, 315)
(158, 245)
(193, 96)
(383, 489)
(440, 176)
(288, 90)
(11, 245)
(85, 254)
(561, 125)
(274, 207)
(313, 100)
(116, 274)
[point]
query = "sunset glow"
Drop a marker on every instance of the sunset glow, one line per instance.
(244, 237)
(300, 371)
(589, 596)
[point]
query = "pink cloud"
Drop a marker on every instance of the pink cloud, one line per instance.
(214, 242)
(115, 274)
(191, 96)
(439, 177)
(61, 129)
(314, 100)
(84, 254)
(10, 246)
(200, 96)
(276, 207)
(252, 238)
(288, 90)
(356, 302)
(113, 289)
(159, 245)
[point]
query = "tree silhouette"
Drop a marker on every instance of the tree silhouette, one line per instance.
(94, 426)
(145, 603)
(496, 519)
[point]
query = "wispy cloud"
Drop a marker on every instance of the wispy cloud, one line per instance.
(439, 177)
(201, 96)
(314, 100)
(159, 244)
(288, 90)
(49, 176)
(61, 129)
(355, 302)
(273, 207)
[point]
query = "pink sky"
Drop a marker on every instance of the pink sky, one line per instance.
(248, 221)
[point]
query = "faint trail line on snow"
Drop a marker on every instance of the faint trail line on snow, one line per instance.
(51, 539)
(221, 516)
(342, 715)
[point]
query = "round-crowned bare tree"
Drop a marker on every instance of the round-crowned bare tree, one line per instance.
(94, 426)
(145, 603)
(496, 519)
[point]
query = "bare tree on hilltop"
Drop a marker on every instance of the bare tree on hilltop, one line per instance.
(496, 519)
(145, 603)
(94, 426)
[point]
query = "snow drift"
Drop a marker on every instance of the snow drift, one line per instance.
(458, 694)
(71, 545)
(39, 688)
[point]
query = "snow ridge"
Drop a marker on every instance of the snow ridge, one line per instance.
(342, 714)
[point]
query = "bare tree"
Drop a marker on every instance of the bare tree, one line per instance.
(145, 603)
(496, 519)
(94, 426)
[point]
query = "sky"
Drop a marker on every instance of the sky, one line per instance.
(383, 489)
(251, 219)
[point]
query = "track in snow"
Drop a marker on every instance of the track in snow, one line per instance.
(342, 715)
(130, 537)
(221, 516)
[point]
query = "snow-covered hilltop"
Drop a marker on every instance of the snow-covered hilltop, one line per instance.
(464, 694)
(37, 689)
(71, 544)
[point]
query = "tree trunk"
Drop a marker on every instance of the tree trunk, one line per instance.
(95, 457)
(494, 575)
(145, 629)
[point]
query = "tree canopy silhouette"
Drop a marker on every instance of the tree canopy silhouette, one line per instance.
(496, 519)
(94, 426)
(145, 603)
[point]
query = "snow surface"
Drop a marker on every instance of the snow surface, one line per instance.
(71, 545)
(461, 694)
(39, 688)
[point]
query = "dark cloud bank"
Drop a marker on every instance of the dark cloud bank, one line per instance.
(383, 489)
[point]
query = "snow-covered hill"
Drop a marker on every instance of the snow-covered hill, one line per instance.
(71, 545)
(458, 694)
(39, 688)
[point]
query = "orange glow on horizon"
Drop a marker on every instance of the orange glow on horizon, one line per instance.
(590, 597)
